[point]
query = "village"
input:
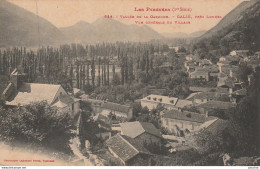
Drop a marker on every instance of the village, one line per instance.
(153, 127)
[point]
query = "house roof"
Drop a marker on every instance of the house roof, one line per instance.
(217, 105)
(241, 50)
(33, 92)
(208, 89)
(182, 103)
(191, 96)
(59, 104)
(116, 107)
(214, 126)
(241, 92)
(186, 116)
(209, 95)
(8, 91)
(136, 128)
(205, 61)
(160, 99)
(124, 147)
(222, 75)
(198, 72)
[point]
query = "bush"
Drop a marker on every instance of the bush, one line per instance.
(36, 124)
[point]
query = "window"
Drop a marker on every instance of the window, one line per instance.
(72, 106)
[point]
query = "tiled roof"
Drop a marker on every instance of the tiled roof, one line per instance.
(116, 107)
(191, 96)
(33, 92)
(216, 126)
(182, 103)
(217, 105)
(59, 104)
(187, 116)
(160, 99)
(200, 72)
(67, 99)
(203, 89)
(8, 91)
(136, 128)
(124, 147)
(209, 95)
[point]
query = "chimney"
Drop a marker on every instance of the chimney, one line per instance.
(17, 78)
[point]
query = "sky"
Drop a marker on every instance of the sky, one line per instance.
(63, 13)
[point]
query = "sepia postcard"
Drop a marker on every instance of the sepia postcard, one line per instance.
(129, 83)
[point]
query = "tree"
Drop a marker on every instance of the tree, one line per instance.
(243, 71)
(87, 74)
(107, 72)
(137, 108)
(246, 117)
(99, 79)
(93, 71)
(88, 128)
(37, 124)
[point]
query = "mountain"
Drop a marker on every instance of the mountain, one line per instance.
(184, 35)
(108, 30)
(239, 29)
(19, 27)
(175, 35)
(240, 13)
(197, 33)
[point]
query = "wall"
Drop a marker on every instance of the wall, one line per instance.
(152, 105)
(182, 124)
(148, 138)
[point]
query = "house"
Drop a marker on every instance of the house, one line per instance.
(242, 53)
(208, 89)
(204, 97)
(215, 127)
(19, 93)
(128, 151)
(233, 72)
(222, 77)
(152, 101)
(105, 126)
(204, 62)
(66, 103)
(190, 65)
(238, 95)
(78, 92)
(182, 103)
(122, 112)
(143, 132)
(209, 106)
(174, 120)
(200, 74)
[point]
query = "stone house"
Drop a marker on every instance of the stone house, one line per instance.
(174, 120)
(122, 112)
(20, 93)
(242, 53)
(143, 132)
(152, 101)
(200, 74)
(129, 151)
